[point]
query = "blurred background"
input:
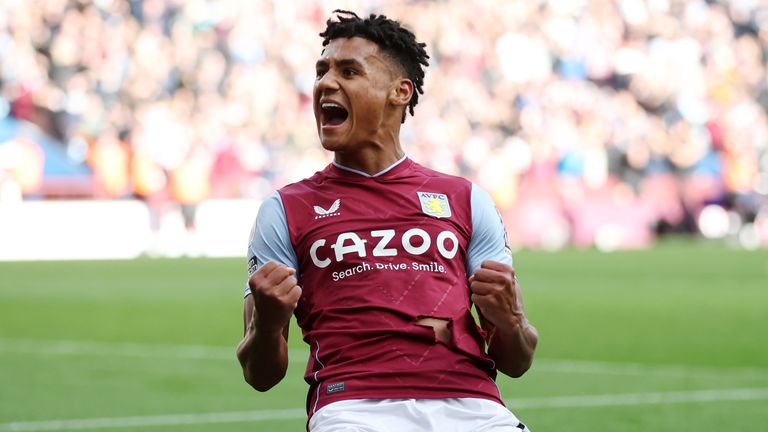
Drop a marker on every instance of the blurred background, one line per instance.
(132, 130)
(607, 123)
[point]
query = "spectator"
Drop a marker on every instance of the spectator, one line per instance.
(660, 104)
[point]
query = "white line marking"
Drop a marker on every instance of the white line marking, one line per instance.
(631, 399)
(89, 348)
(206, 352)
(646, 369)
(126, 349)
(582, 401)
(160, 420)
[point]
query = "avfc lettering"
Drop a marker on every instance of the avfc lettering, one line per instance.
(414, 241)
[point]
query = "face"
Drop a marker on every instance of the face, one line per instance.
(352, 86)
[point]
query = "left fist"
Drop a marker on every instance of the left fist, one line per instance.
(496, 295)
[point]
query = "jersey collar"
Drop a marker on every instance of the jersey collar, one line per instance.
(396, 167)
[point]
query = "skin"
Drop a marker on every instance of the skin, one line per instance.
(353, 73)
(511, 338)
(263, 352)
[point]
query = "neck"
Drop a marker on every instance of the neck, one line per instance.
(369, 161)
(373, 156)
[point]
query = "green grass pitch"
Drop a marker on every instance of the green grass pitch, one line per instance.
(669, 339)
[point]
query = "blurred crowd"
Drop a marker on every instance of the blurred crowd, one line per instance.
(602, 122)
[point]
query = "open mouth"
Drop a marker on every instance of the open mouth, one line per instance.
(332, 114)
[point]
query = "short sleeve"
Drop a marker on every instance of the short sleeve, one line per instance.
(270, 239)
(489, 238)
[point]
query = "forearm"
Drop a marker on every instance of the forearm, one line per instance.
(512, 347)
(263, 357)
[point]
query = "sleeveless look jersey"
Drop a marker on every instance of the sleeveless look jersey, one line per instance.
(374, 254)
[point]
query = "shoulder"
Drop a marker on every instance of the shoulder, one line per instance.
(423, 171)
(429, 172)
(271, 213)
(272, 204)
(308, 184)
(481, 198)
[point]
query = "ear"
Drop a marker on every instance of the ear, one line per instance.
(401, 92)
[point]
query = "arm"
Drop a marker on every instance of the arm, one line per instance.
(495, 291)
(511, 338)
(263, 352)
(271, 295)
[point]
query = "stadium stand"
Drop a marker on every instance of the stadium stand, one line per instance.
(602, 123)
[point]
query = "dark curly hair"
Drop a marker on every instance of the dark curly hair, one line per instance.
(393, 40)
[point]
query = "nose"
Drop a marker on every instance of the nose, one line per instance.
(327, 82)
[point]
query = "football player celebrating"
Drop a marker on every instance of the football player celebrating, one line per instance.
(381, 259)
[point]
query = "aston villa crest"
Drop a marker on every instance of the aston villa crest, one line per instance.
(435, 204)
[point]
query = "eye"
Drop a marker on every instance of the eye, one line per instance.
(348, 72)
(319, 73)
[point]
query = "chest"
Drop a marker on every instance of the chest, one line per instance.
(343, 223)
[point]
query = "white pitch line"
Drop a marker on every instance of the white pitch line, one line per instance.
(159, 420)
(554, 402)
(126, 349)
(662, 370)
(631, 399)
(93, 348)
(206, 352)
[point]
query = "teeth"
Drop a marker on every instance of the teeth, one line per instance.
(331, 105)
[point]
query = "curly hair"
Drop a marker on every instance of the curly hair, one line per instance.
(393, 40)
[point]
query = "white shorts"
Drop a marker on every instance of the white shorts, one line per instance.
(415, 415)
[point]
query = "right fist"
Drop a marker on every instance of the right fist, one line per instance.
(275, 295)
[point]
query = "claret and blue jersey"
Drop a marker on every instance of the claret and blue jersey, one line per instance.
(373, 255)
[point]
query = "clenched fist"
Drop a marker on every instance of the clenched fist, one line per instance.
(511, 339)
(275, 295)
(496, 295)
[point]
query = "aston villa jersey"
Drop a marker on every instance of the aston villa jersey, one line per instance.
(374, 254)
